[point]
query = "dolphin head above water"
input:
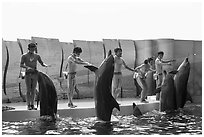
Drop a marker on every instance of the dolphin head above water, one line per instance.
(185, 65)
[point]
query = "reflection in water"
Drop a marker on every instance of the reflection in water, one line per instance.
(185, 121)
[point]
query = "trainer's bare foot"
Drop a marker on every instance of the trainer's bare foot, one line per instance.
(33, 108)
(71, 105)
(144, 101)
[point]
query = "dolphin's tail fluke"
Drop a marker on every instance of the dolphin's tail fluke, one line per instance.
(189, 98)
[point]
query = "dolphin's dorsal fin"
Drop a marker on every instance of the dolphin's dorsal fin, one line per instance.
(133, 105)
(115, 104)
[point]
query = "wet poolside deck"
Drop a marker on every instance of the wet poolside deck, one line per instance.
(85, 108)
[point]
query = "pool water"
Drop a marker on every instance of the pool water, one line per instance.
(187, 121)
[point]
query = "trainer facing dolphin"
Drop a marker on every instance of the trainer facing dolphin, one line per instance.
(104, 101)
(181, 81)
(48, 96)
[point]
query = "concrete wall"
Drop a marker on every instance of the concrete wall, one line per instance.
(134, 53)
(13, 67)
(24, 43)
(96, 50)
(196, 88)
(14, 61)
(3, 48)
(144, 50)
(110, 44)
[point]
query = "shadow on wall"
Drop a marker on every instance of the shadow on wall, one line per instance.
(134, 53)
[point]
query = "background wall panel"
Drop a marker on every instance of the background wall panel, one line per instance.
(110, 44)
(93, 51)
(143, 50)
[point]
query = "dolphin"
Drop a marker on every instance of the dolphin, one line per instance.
(151, 83)
(168, 93)
(48, 96)
(104, 101)
(181, 81)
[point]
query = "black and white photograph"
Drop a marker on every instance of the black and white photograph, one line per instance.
(101, 67)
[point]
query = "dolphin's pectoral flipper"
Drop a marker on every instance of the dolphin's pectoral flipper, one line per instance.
(188, 97)
(91, 68)
(173, 72)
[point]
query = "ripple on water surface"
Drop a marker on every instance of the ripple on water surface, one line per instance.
(185, 121)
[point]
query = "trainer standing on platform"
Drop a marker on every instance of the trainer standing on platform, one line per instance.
(117, 77)
(72, 62)
(29, 62)
(159, 68)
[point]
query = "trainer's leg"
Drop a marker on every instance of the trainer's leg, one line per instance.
(70, 85)
(143, 85)
(28, 88)
(33, 89)
(114, 86)
(119, 86)
(74, 89)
